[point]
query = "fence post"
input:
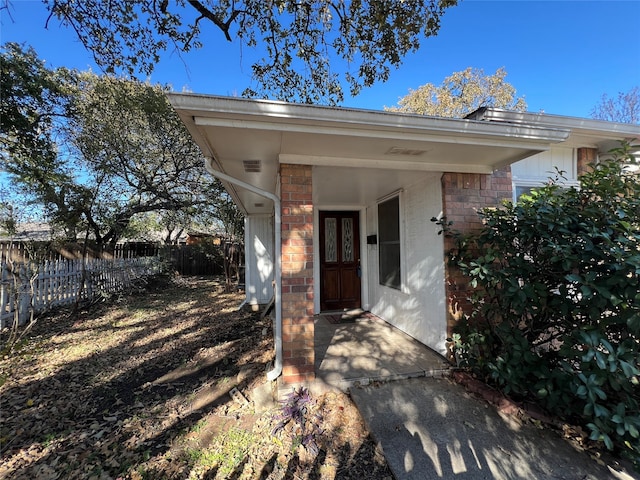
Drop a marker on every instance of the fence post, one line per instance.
(24, 295)
(89, 276)
(6, 306)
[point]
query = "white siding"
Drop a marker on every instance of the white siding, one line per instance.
(542, 166)
(419, 309)
(259, 250)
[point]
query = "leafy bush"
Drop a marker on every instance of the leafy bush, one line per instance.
(557, 302)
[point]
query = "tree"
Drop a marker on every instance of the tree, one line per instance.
(32, 98)
(141, 160)
(625, 108)
(8, 221)
(117, 150)
(220, 217)
(303, 40)
(34, 104)
(460, 94)
(231, 219)
(166, 226)
(557, 311)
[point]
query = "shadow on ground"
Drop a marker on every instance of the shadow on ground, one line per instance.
(433, 429)
(92, 394)
(138, 388)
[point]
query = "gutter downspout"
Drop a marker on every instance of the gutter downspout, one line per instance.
(277, 368)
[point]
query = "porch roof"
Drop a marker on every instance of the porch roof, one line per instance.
(375, 151)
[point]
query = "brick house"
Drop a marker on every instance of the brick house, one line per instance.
(338, 203)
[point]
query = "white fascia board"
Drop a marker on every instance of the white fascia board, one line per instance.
(583, 126)
(209, 110)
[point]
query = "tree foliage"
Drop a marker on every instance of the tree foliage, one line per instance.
(33, 98)
(624, 108)
(462, 93)
(302, 39)
(8, 221)
(557, 311)
(140, 160)
(103, 149)
(35, 102)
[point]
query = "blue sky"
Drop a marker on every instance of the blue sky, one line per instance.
(562, 56)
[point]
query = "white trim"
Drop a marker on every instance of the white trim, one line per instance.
(536, 183)
(364, 281)
(318, 160)
(404, 286)
(576, 124)
(399, 194)
(389, 196)
(364, 261)
(239, 113)
(316, 260)
(475, 133)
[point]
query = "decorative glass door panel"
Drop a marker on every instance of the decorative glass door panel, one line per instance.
(347, 239)
(331, 240)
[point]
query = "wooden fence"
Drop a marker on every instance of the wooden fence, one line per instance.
(201, 259)
(194, 259)
(27, 287)
(36, 276)
(23, 251)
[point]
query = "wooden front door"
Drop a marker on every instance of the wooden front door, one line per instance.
(339, 260)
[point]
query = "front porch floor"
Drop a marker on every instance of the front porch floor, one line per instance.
(370, 349)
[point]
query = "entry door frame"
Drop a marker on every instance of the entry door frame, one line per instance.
(364, 282)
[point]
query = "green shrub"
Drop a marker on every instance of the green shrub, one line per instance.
(557, 302)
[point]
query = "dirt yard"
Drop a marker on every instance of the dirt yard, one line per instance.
(139, 388)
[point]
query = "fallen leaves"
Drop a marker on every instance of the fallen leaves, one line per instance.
(73, 394)
(125, 391)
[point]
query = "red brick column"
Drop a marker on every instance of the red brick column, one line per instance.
(463, 194)
(297, 274)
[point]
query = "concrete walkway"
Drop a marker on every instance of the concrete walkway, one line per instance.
(431, 428)
(369, 349)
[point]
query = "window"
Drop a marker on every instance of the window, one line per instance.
(519, 190)
(524, 187)
(389, 242)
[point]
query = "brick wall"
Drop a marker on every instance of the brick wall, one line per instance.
(463, 194)
(297, 274)
(585, 156)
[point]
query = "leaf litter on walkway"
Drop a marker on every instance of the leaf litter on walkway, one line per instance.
(138, 388)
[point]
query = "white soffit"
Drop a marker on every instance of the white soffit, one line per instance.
(236, 131)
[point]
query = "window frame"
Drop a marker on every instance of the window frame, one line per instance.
(398, 281)
(536, 183)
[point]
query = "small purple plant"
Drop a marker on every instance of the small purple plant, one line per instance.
(297, 408)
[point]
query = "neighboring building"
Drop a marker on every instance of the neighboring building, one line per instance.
(339, 202)
(199, 238)
(29, 231)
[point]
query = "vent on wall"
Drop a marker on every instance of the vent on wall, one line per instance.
(405, 151)
(252, 166)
